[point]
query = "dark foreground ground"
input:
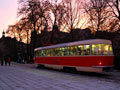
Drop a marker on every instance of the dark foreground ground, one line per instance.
(28, 77)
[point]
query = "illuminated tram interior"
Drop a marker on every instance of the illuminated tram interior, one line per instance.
(94, 49)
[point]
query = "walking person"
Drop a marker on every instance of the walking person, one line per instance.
(9, 61)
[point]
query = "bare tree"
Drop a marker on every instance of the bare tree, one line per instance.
(15, 31)
(99, 14)
(57, 11)
(115, 7)
(73, 13)
(11, 31)
(35, 12)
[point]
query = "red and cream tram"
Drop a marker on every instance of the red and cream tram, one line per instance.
(89, 55)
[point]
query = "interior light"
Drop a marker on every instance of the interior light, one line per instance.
(79, 46)
(93, 46)
(106, 48)
(87, 46)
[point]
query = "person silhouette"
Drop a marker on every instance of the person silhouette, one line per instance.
(9, 61)
(6, 61)
(2, 62)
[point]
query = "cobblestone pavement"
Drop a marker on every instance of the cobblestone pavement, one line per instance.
(27, 77)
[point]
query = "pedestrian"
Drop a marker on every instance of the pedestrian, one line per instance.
(6, 61)
(28, 59)
(2, 62)
(9, 61)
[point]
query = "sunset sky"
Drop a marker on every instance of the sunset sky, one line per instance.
(8, 13)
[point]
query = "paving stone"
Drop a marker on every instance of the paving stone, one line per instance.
(26, 77)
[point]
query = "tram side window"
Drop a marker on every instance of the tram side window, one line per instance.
(43, 52)
(39, 53)
(51, 52)
(54, 52)
(96, 49)
(74, 51)
(57, 52)
(62, 51)
(86, 49)
(69, 51)
(80, 49)
(47, 52)
(65, 51)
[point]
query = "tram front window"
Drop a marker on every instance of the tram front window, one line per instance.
(107, 49)
(110, 50)
(101, 49)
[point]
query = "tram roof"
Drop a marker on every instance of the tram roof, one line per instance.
(84, 42)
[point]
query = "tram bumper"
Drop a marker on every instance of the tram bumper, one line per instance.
(104, 68)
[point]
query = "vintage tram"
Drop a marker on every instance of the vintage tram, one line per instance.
(94, 55)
